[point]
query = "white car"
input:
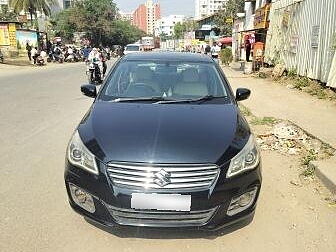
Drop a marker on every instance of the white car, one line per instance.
(133, 48)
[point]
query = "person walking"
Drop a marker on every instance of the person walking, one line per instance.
(248, 49)
(29, 49)
(34, 54)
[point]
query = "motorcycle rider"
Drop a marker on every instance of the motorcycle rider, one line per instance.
(70, 54)
(95, 59)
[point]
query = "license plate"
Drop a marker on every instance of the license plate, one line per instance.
(154, 201)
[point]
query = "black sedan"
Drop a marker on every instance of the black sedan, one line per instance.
(164, 145)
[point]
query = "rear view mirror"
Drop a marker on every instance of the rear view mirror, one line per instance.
(242, 94)
(89, 90)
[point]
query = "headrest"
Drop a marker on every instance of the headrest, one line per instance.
(190, 75)
(143, 73)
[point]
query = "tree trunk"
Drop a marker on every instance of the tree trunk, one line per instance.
(31, 17)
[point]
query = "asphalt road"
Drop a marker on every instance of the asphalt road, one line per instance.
(40, 109)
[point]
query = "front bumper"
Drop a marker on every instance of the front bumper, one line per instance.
(208, 207)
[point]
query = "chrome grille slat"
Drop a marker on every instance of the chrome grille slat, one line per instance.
(148, 180)
(170, 186)
(162, 218)
(181, 176)
(174, 175)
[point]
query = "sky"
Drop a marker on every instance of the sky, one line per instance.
(168, 7)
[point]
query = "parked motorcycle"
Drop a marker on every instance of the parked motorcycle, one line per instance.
(70, 58)
(59, 58)
(39, 60)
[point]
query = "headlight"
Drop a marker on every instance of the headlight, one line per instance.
(247, 159)
(80, 156)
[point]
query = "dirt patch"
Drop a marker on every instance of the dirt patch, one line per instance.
(290, 140)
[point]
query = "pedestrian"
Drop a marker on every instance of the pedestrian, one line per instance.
(248, 50)
(215, 50)
(29, 49)
(207, 49)
(34, 54)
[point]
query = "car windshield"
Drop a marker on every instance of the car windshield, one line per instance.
(132, 48)
(172, 81)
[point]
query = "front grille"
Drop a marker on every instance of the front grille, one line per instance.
(160, 218)
(163, 176)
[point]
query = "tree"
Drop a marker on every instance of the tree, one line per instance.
(225, 17)
(179, 30)
(164, 36)
(122, 33)
(33, 6)
(65, 23)
(97, 18)
(6, 14)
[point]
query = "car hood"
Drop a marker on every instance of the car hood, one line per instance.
(164, 133)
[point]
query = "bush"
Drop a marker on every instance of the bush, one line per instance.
(226, 56)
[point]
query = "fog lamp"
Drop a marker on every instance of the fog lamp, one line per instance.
(242, 202)
(82, 198)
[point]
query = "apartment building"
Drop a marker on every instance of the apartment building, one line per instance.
(146, 15)
(166, 24)
(205, 8)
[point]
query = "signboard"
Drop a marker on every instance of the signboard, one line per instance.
(315, 36)
(261, 17)
(206, 27)
(12, 35)
(24, 37)
(294, 42)
(4, 35)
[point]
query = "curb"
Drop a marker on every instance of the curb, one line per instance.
(325, 170)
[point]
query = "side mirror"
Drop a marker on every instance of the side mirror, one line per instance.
(89, 90)
(242, 94)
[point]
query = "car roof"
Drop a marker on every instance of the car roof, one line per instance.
(170, 56)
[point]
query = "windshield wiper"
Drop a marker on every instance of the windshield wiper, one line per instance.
(199, 100)
(140, 99)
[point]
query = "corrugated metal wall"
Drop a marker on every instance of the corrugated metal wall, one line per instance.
(310, 22)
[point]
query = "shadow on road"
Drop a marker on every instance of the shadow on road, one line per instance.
(168, 233)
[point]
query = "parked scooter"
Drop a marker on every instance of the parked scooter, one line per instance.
(70, 58)
(39, 60)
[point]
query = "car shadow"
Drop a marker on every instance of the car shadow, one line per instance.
(168, 233)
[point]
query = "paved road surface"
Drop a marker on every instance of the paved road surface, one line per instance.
(40, 109)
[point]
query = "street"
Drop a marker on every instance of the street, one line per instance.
(39, 111)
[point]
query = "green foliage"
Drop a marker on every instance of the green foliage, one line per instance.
(6, 14)
(311, 156)
(97, 18)
(300, 83)
(229, 10)
(163, 36)
(122, 33)
(179, 30)
(292, 73)
(226, 55)
(33, 6)
(264, 121)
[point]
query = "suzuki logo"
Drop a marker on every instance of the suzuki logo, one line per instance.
(162, 178)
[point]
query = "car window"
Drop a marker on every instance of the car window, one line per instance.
(132, 48)
(174, 80)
